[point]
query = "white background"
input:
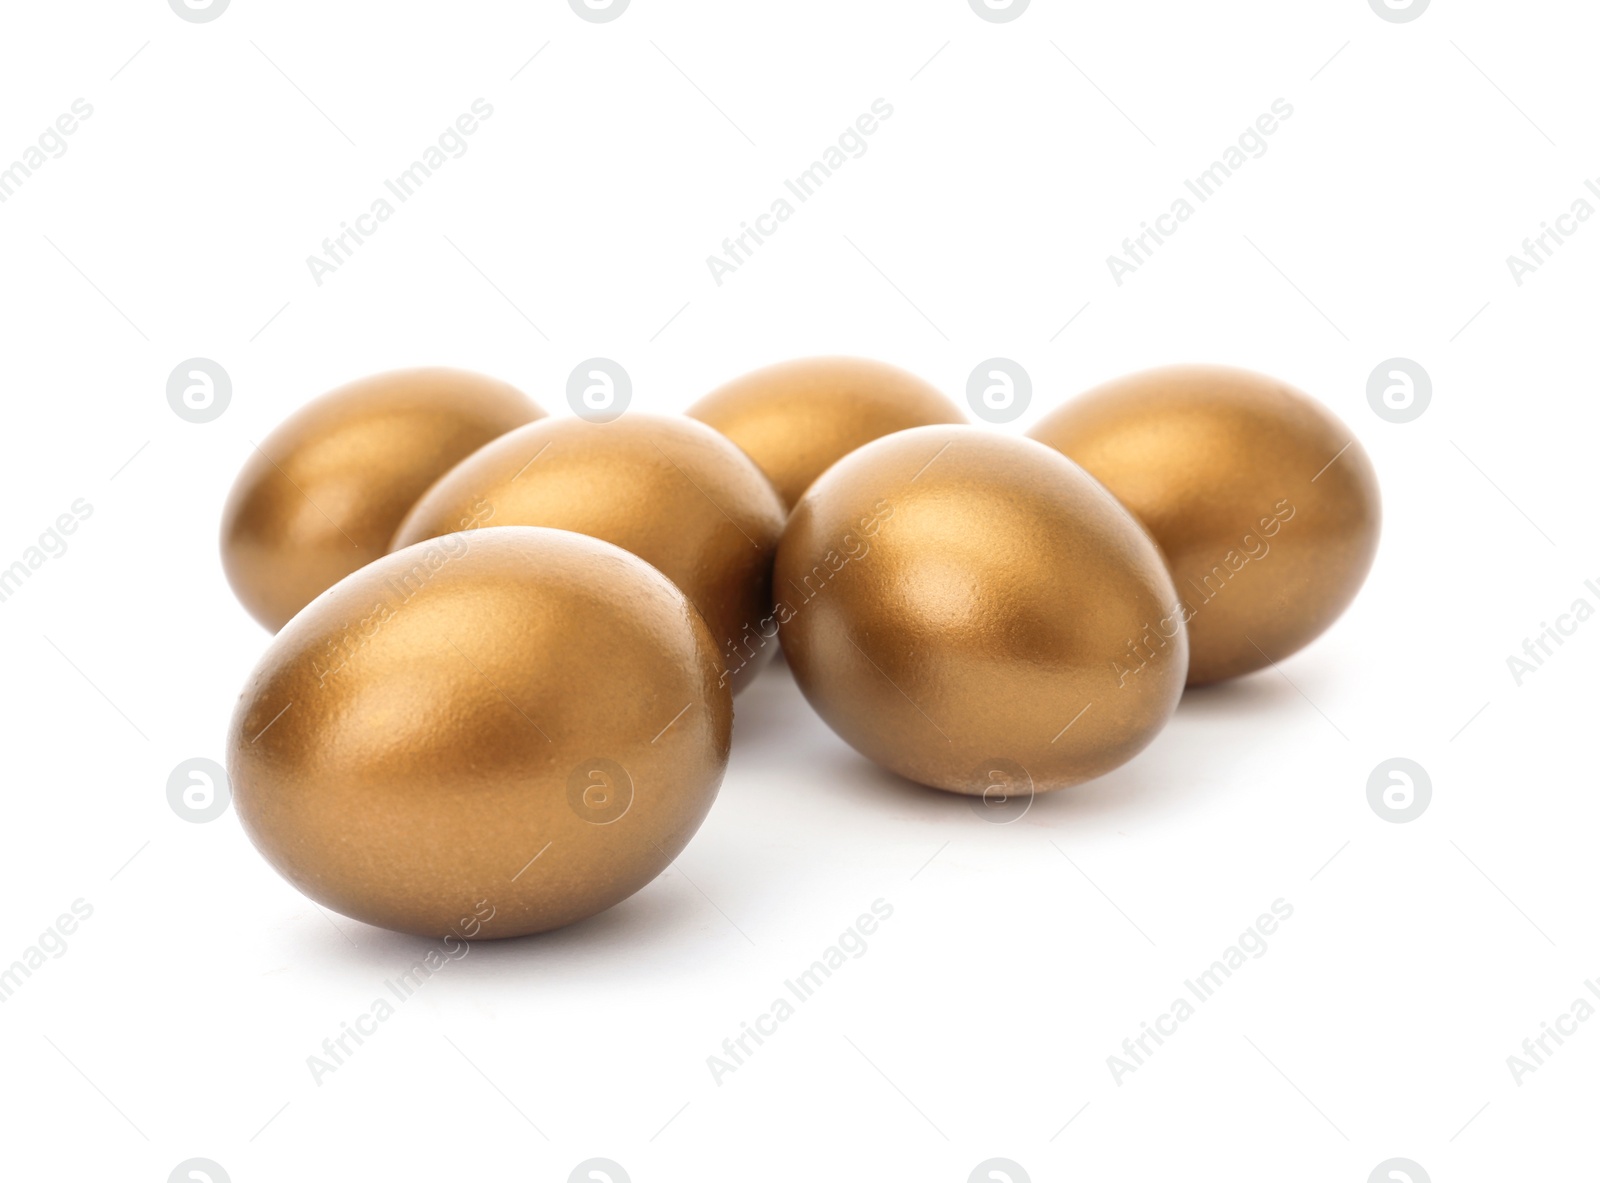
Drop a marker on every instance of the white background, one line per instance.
(1419, 156)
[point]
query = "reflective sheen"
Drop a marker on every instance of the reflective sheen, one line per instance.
(1263, 502)
(797, 418)
(670, 490)
(972, 611)
(488, 734)
(321, 496)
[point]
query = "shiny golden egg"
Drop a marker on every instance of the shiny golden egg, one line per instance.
(488, 734)
(974, 612)
(798, 418)
(1264, 503)
(321, 496)
(670, 490)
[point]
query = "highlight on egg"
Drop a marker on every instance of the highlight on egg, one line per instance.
(322, 495)
(1263, 502)
(974, 612)
(488, 734)
(668, 489)
(798, 418)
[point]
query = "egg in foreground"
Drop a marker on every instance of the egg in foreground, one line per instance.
(488, 734)
(1264, 503)
(958, 605)
(322, 494)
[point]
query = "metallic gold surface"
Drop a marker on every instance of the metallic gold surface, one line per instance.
(797, 418)
(972, 611)
(670, 490)
(489, 734)
(321, 496)
(1266, 507)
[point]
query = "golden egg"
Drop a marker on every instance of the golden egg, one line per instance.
(1263, 502)
(488, 734)
(321, 496)
(670, 490)
(974, 612)
(798, 418)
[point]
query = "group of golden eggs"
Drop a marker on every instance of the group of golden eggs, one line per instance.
(500, 698)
